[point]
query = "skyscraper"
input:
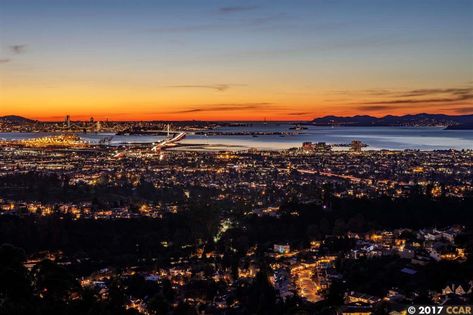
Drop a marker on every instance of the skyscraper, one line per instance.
(356, 146)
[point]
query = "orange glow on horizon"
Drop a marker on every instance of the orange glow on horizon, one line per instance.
(300, 114)
(235, 104)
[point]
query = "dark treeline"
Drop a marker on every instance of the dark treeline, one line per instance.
(51, 188)
(123, 239)
(298, 224)
(306, 222)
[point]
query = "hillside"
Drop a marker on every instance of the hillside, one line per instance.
(390, 120)
(13, 119)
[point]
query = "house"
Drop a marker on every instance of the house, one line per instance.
(357, 297)
(281, 249)
(441, 251)
(458, 288)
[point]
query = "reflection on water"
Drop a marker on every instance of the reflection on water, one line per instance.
(397, 138)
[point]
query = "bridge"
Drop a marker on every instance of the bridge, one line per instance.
(169, 142)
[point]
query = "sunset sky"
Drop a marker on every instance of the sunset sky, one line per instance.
(234, 60)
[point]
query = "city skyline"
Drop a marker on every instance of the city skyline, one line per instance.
(214, 60)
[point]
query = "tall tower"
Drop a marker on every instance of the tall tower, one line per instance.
(67, 121)
(356, 146)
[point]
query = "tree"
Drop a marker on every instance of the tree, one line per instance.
(324, 226)
(313, 232)
(53, 282)
(15, 289)
(158, 304)
(262, 296)
(339, 226)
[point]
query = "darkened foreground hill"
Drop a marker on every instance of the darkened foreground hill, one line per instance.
(13, 119)
(390, 120)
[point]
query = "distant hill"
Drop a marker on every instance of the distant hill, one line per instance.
(390, 120)
(13, 119)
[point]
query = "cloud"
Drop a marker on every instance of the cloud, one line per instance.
(463, 110)
(374, 108)
(299, 114)
(17, 49)
(395, 99)
(217, 87)
(373, 92)
(408, 93)
(226, 107)
(440, 106)
(423, 101)
(236, 9)
(426, 92)
(5, 60)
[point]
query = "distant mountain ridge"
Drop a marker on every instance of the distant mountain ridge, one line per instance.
(14, 119)
(390, 120)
